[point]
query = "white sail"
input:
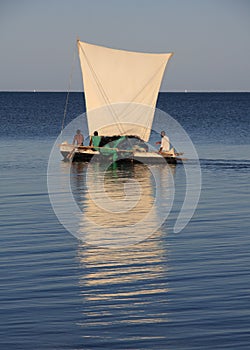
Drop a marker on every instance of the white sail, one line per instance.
(130, 79)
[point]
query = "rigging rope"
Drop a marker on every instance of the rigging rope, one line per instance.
(68, 91)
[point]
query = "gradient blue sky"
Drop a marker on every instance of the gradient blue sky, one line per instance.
(210, 40)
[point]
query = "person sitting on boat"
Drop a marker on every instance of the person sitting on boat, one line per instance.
(78, 138)
(165, 143)
(95, 140)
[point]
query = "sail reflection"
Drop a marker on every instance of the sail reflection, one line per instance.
(124, 290)
(121, 205)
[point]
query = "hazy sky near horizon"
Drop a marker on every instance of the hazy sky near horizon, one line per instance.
(210, 40)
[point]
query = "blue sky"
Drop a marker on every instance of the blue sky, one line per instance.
(209, 38)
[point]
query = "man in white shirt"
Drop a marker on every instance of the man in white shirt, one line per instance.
(165, 143)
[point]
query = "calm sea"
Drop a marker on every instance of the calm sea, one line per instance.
(189, 290)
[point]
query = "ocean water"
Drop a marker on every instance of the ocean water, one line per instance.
(187, 290)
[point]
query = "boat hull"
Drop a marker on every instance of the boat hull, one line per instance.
(86, 154)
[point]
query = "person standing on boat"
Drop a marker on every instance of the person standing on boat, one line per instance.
(95, 140)
(165, 143)
(78, 138)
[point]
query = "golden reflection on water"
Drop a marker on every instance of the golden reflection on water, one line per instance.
(127, 286)
(140, 262)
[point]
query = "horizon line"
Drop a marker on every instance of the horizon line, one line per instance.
(164, 91)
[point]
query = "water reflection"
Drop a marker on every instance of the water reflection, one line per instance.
(125, 294)
(121, 205)
(124, 291)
